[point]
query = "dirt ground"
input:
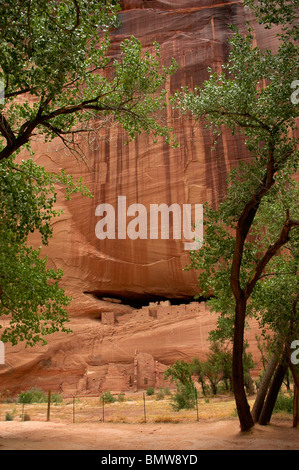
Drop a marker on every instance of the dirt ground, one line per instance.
(202, 435)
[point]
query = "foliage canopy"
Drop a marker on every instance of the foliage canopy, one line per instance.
(258, 218)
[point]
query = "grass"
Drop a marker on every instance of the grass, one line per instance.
(166, 419)
(129, 410)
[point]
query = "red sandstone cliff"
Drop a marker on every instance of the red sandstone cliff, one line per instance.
(195, 33)
(148, 173)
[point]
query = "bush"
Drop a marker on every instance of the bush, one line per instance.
(121, 397)
(8, 416)
(284, 403)
(183, 398)
(37, 395)
(34, 395)
(108, 397)
(150, 391)
(56, 398)
(160, 394)
(167, 391)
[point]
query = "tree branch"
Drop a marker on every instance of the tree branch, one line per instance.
(7, 131)
(236, 115)
(17, 93)
(77, 24)
(245, 222)
(273, 249)
(278, 274)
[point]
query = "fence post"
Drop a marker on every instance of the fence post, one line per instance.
(49, 405)
(144, 411)
(103, 408)
(196, 403)
(73, 409)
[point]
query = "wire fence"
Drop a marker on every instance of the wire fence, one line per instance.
(133, 409)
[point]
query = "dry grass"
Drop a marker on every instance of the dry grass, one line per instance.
(166, 419)
(131, 410)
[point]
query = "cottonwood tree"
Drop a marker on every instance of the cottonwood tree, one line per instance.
(277, 12)
(250, 97)
(274, 301)
(60, 82)
(180, 373)
(217, 366)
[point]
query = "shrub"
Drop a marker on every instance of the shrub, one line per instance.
(121, 397)
(108, 397)
(150, 391)
(167, 391)
(284, 403)
(34, 395)
(183, 398)
(37, 395)
(160, 394)
(56, 398)
(8, 416)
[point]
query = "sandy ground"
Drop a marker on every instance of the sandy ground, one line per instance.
(203, 435)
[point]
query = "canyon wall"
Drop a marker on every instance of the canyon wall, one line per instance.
(146, 172)
(115, 350)
(108, 336)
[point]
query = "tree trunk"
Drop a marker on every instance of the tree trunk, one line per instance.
(287, 381)
(241, 296)
(296, 407)
(249, 384)
(243, 409)
(276, 384)
(296, 396)
(262, 392)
